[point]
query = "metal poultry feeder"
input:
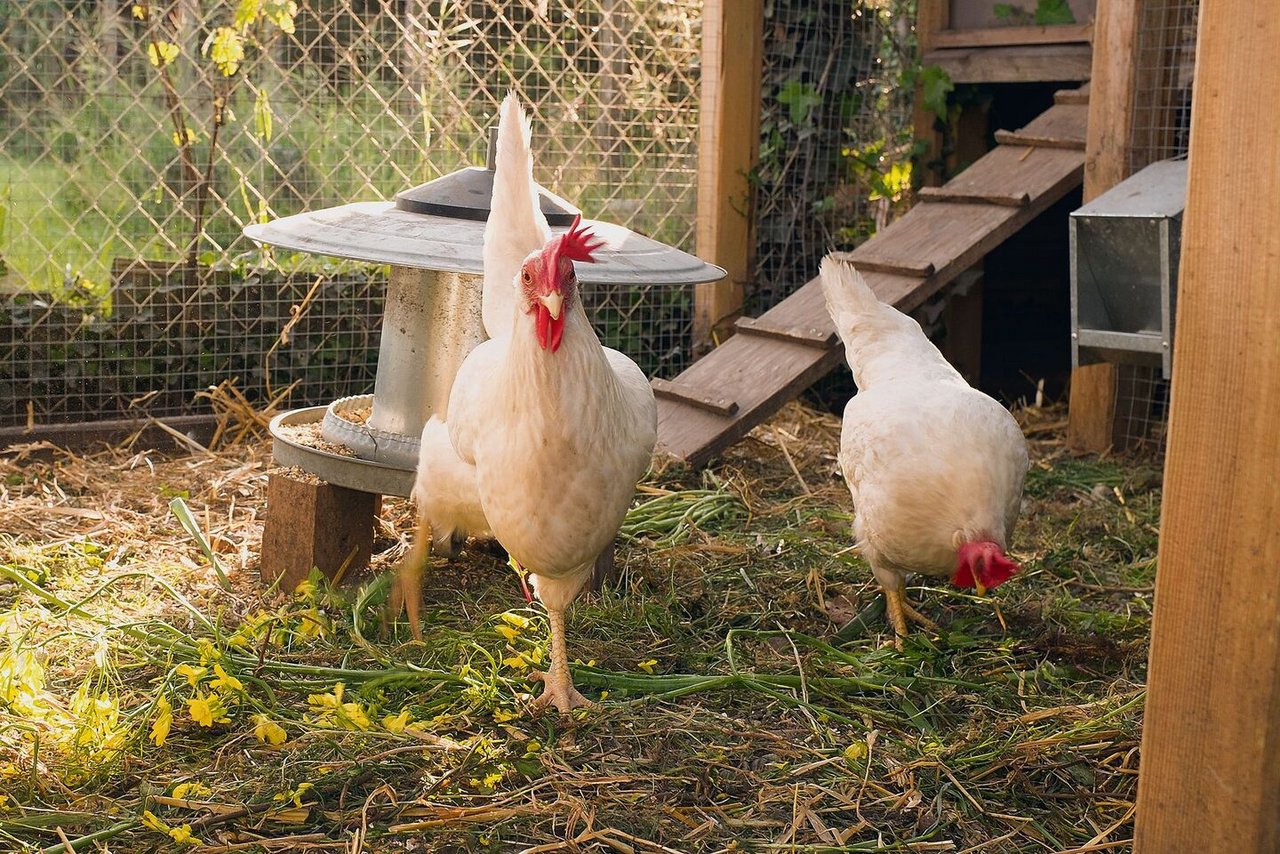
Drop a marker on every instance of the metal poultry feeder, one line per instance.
(432, 236)
(1124, 269)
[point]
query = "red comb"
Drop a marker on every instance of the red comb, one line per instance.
(580, 243)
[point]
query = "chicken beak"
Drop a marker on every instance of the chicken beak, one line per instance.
(979, 587)
(553, 302)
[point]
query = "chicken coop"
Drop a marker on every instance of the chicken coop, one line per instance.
(238, 237)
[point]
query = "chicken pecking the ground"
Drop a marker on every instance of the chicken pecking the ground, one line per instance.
(935, 467)
(558, 427)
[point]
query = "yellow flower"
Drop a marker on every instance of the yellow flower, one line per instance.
(189, 137)
(306, 590)
(507, 632)
(207, 710)
(162, 53)
(193, 674)
(208, 652)
(296, 794)
(138, 12)
(164, 720)
(182, 835)
(604, 695)
(531, 747)
(502, 715)
(4, 801)
(224, 681)
(191, 790)
(149, 820)
(855, 751)
(396, 723)
(311, 624)
(226, 48)
(268, 731)
(520, 622)
(647, 665)
(517, 661)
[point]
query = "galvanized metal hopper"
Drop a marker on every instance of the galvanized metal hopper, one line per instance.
(433, 237)
(1124, 269)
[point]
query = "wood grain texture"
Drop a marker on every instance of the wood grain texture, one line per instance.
(1017, 64)
(1091, 419)
(729, 140)
(1210, 773)
(1005, 36)
(932, 17)
(314, 524)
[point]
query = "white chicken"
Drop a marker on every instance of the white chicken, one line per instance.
(445, 490)
(558, 427)
(935, 467)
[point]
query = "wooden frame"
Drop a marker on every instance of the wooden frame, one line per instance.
(1210, 774)
(729, 142)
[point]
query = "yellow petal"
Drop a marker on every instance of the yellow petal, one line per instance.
(507, 632)
(647, 666)
(150, 820)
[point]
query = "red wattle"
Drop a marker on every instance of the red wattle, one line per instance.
(543, 324)
(557, 332)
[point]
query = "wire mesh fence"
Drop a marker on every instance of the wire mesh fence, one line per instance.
(1165, 68)
(836, 137)
(138, 138)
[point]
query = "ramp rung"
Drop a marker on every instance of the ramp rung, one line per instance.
(942, 194)
(806, 336)
(1005, 137)
(896, 268)
(1071, 96)
(695, 397)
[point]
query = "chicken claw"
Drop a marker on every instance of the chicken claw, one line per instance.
(557, 682)
(899, 612)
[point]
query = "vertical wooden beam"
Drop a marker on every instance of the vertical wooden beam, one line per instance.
(728, 145)
(931, 16)
(1210, 774)
(1091, 418)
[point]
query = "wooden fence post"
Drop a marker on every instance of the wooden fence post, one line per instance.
(728, 145)
(1210, 773)
(1092, 414)
(931, 16)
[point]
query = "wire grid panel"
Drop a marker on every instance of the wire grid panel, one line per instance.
(107, 148)
(1162, 83)
(835, 134)
(1161, 129)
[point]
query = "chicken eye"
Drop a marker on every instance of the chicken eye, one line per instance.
(525, 277)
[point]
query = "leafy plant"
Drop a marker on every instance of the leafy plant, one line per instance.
(799, 99)
(1047, 13)
(236, 33)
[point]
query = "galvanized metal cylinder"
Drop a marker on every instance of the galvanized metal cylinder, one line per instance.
(432, 320)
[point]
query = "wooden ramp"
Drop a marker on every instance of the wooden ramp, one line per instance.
(774, 357)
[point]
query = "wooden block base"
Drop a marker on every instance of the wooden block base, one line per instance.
(311, 523)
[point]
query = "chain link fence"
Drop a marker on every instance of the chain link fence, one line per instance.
(138, 138)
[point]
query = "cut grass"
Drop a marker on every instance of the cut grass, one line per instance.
(736, 714)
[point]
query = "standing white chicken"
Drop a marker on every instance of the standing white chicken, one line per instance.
(445, 490)
(558, 427)
(935, 467)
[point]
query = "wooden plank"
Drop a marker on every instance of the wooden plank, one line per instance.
(1006, 36)
(962, 345)
(729, 137)
(1064, 121)
(684, 392)
(1028, 140)
(945, 194)
(1072, 97)
(114, 431)
(872, 263)
(1210, 773)
(1024, 64)
(810, 336)
(932, 16)
(1092, 411)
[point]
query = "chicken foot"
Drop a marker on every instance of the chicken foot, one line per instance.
(899, 611)
(557, 682)
(406, 589)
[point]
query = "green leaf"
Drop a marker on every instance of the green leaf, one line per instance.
(1002, 11)
(262, 116)
(936, 85)
(180, 510)
(799, 99)
(1054, 12)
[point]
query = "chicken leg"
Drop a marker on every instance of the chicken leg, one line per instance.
(899, 611)
(557, 682)
(406, 589)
